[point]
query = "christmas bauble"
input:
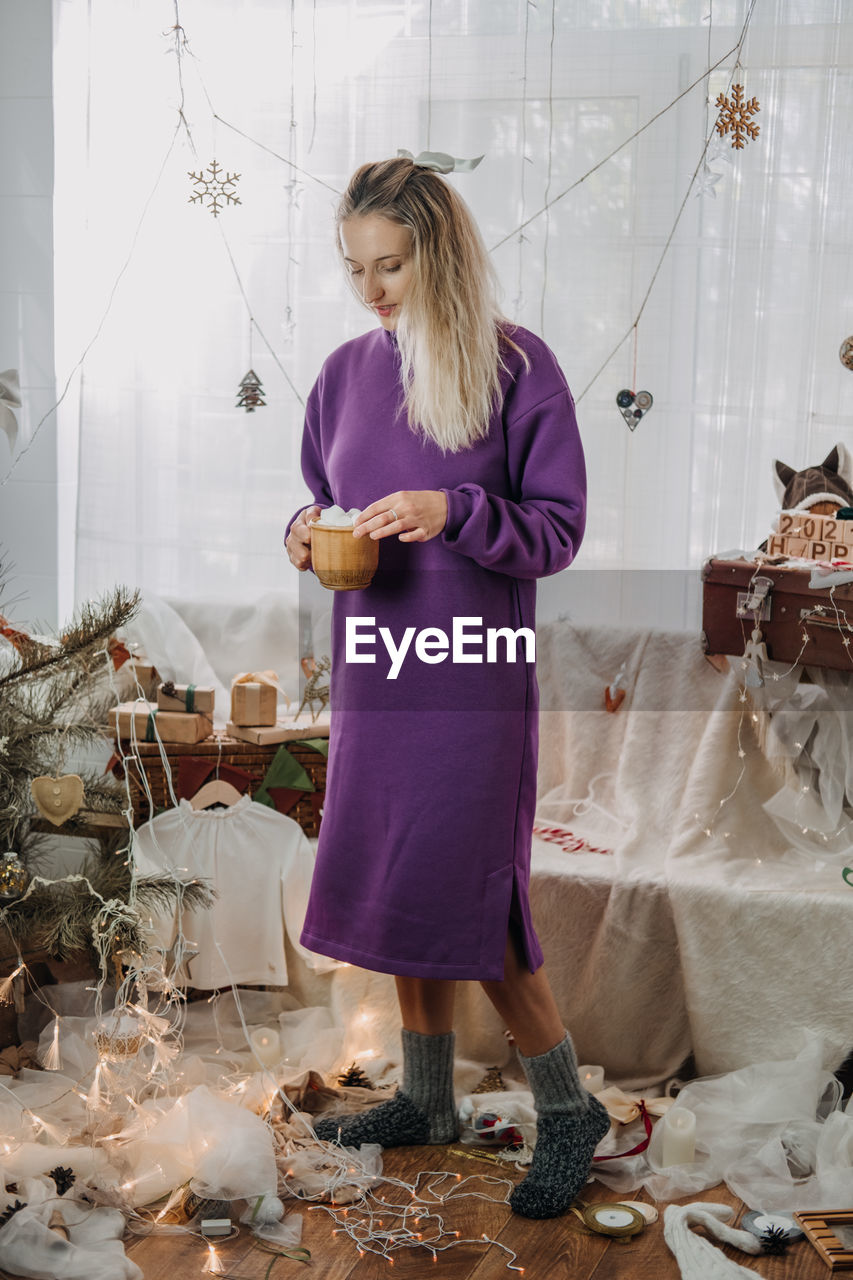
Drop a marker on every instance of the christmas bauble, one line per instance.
(119, 1037)
(845, 355)
(14, 877)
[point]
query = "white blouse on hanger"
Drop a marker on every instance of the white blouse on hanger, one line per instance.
(259, 862)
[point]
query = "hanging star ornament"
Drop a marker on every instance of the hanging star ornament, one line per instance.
(716, 153)
(736, 117)
(250, 395)
(174, 965)
(213, 190)
(707, 181)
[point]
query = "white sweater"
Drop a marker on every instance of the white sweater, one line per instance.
(260, 864)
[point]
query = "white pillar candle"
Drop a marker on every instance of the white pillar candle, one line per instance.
(592, 1078)
(266, 1046)
(679, 1137)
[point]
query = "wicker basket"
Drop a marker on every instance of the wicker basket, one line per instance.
(254, 759)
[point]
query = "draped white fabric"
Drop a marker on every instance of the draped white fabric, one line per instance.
(186, 495)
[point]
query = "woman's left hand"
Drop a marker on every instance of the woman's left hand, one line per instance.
(415, 515)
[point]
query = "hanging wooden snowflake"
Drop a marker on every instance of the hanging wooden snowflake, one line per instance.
(735, 117)
(215, 189)
(250, 395)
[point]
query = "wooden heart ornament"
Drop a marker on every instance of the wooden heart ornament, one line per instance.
(58, 799)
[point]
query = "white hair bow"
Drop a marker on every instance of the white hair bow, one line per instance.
(10, 394)
(440, 161)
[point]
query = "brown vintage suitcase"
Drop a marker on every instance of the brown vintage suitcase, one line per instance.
(798, 623)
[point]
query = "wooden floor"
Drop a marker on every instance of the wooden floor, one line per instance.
(553, 1250)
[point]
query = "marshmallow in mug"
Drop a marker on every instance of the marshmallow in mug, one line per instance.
(336, 518)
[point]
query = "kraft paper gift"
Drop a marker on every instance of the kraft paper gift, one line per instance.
(254, 697)
(287, 730)
(139, 718)
(186, 697)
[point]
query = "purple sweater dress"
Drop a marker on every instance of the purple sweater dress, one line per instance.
(424, 849)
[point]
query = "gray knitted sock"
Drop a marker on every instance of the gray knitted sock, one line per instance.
(569, 1126)
(428, 1081)
(423, 1111)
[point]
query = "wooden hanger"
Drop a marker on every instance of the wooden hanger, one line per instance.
(217, 791)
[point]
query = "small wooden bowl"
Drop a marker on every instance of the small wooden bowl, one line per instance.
(340, 561)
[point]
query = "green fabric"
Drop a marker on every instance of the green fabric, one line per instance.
(316, 744)
(284, 771)
(190, 698)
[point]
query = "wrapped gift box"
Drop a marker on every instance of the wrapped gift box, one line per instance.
(186, 697)
(144, 672)
(286, 730)
(172, 726)
(254, 698)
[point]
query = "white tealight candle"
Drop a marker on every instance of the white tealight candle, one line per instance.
(592, 1078)
(679, 1137)
(266, 1046)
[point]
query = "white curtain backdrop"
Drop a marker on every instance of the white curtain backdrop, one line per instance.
(185, 495)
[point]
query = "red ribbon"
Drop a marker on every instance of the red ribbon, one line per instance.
(641, 1146)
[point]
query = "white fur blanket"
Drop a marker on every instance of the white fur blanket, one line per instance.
(731, 942)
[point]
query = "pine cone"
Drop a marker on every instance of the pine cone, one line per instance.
(774, 1241)
(64, 1179)
(10, 1210)
(355, 1077)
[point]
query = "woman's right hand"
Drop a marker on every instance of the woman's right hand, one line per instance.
(298, 542)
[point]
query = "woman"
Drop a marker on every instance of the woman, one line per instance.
(424, 855)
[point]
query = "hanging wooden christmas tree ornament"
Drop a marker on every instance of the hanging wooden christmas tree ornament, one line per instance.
(14, 877)
(250, 395)
(58, 799)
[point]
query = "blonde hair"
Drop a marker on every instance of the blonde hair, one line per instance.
(450, 330)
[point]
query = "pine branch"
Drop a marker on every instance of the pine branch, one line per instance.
(97, 621)
(58, 918)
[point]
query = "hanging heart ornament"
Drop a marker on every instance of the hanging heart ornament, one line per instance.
(634, 405)
(58, 799)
